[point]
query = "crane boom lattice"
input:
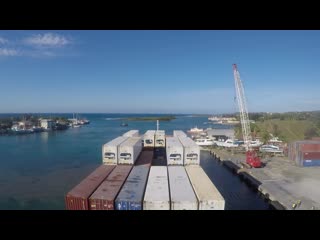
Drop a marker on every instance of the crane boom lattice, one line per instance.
(244, 118)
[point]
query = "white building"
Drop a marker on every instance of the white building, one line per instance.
(47, 123)
(221, 133)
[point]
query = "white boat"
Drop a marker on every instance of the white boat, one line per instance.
(204, 141)
(227, 143)
(230, 143)
(196, 130)
(255, 143)
(270, 148)
(275, 140)
(214, 119)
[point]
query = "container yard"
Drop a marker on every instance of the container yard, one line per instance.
(129, 150)
(174, 151)
(160, 138)
(191, 151)
(132, 192)
(104, 197)
(148, 139)
(281, 181)
(157, 191)
(131, 133)
(110, 150)
(208, 195)
(78, 197)
(130, 186)
(181, 190)
(179, 133)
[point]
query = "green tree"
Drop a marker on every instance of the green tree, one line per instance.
(311, 132)
(265, 137)
(275, 130)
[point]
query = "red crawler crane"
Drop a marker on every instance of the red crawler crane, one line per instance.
(251, 156)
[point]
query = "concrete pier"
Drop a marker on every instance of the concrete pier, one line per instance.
(285, 185)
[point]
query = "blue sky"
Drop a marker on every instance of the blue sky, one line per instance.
(158, 71)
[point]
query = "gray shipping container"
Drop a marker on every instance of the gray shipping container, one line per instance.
(131, 133)
(132, 192)
(174, 150)
(208, 195)
(181, 191)
(148, 138)
(179, 133)
(110, 150)
(191, 151)
(129, 150)
(160, 138)
(157, 195)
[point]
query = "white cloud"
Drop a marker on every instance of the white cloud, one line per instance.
(3, 40)
(8, 52)
(47, 40)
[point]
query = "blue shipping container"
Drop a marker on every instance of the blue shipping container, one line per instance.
(311, 163)
(132, 192)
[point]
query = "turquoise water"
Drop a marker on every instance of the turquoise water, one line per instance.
(37, 170)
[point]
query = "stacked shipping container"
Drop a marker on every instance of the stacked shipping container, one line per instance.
(145, 158)
(148, 139)
(103, 198)
(132, 192)
(129, 150)
(110, 150)
(131, 133)
(124, 187)
(160, 138)
(174, 151)
(208, 195)
(179, 133)
(181, 191)
(305, 153)
(78, 197)
(157, 191)
(191, 151)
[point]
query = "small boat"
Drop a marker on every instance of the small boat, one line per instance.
(204, 141)
(195, 130)
(124, 124)
(270, 148)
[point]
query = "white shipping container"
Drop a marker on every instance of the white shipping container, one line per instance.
(208, 195)
(148, 138)
(181, 191)
(174, 150)
(129, 150)
(179, 133)
(157, 196)
(110, 150)
(160, 138)
(131, 133)
(191, 151)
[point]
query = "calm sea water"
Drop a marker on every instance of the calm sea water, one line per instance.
(37, 170)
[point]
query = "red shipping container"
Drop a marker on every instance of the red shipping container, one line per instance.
(119, 173)
(309, 146)
(103, 198)
(145, 158)
(311, 156)
(77, 198)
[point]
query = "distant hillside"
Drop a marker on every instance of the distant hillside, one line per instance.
(287, 130)
(290, 130)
